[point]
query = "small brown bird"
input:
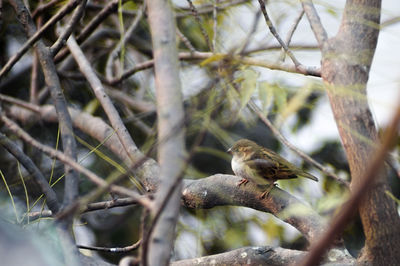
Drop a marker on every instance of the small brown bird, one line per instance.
(261, 165)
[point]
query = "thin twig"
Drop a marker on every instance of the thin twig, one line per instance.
(291, 32)
(199, 21)
(35, 73)
(215, 21)
(53, 82)
(90, 27)
(208, 8)
(43, 7)
(30, 106)
(185, 41)
(95, 206)
(113, 250)
(251, 32)
(71, 26)
(114, 53)
(98, 89)
(310, 71)
(277, 37)
(315, 22)
(278, 134)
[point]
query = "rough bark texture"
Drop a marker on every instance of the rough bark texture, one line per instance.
(345, 70)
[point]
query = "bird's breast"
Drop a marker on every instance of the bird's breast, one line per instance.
(243, 170)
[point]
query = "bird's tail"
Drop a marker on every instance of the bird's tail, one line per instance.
(309, 176)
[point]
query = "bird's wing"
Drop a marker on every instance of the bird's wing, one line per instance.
(289, 169)
(268, 167)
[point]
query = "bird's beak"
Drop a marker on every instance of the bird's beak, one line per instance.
(229, 150)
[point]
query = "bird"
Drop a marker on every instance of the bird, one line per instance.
(262, 166)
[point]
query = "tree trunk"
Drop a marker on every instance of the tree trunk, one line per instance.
(345, 70)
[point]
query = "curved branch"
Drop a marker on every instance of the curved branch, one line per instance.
(220, 190)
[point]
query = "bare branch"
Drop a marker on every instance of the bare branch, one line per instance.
(266, 255)
(102, 205)
(146, 168)
(90, 27)
(315, 22)
(130, 147)
(113, 250)
(221, 190)
(76, 16)
(311, 71)
(291, 32)
(117, 49)
(276, 35)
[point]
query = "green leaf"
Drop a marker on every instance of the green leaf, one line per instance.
(280, 97)
(392, 197)
(296, 102)
(213, 58)
(265, 95)
(248, 79)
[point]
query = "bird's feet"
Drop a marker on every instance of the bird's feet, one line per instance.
(266, 192)
(242, 181)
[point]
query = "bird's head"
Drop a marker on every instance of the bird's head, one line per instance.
(243, 146)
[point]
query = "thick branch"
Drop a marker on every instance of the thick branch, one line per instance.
(220, 190)
(267, 255)
(273, 256)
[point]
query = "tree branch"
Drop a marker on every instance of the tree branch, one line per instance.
(130, 147)
(315, 22)
(221, 190)
(264, 255)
